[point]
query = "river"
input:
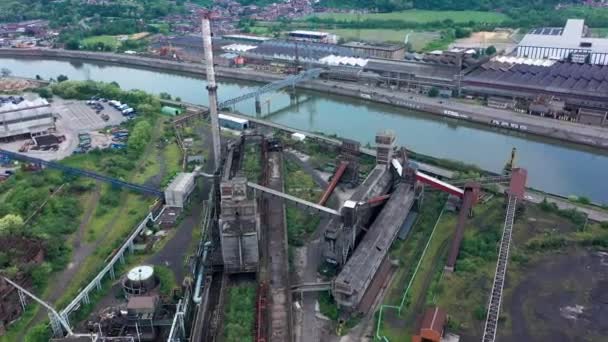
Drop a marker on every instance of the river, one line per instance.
(554, 167)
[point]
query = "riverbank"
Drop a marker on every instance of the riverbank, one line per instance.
(501, 119)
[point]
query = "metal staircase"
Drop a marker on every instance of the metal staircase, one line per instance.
(489, 333)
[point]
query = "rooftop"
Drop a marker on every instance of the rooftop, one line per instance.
(309, 33)
(375, 46)
(571, 36)
(181, 182)
(245, 37)
(561, 77)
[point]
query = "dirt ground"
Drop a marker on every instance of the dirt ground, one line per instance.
(563, 297)
(16, 84)
(502, 40)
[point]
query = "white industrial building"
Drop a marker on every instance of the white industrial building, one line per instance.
(180, 189)
(313, 36)
(26, 119)
(569, 42)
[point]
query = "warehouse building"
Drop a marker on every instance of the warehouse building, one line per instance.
(313, 36)
(387, 51)
(561, 89)
(572, 42)
(26, 119)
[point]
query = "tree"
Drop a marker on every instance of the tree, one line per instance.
(434, 92)
(10, 224)
(62, 78)
(490, 50)
(5, 72)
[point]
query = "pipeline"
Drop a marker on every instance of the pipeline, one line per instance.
(197, 298)
(334, 182)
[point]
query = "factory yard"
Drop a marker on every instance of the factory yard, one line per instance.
(555, 254)
(72, 118)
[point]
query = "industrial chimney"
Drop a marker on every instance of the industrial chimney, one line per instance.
(212, 89)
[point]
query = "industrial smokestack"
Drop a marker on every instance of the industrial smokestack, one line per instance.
(212, 89)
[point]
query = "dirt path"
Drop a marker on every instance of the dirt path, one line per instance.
(79, 253)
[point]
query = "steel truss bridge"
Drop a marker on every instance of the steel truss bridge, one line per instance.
(273, 86)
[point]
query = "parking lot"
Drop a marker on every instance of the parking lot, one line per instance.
(74, 117)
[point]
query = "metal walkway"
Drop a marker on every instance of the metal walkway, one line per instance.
(294, 199)
(273, 86)
(489, 332)
(311, 287)
(79, 172)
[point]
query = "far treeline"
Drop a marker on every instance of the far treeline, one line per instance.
(520, 13)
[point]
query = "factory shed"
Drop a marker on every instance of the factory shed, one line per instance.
(28, 118)
(431, 328)
(178, 192)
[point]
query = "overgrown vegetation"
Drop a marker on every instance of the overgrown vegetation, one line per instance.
(252, 163)
(115, 213)
(239, 313)
(407, 253)
(166, 277)
(300, 223)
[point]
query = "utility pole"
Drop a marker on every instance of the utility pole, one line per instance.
(212, 89)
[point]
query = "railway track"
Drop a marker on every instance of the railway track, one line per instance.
(279, 296)
(214, 310)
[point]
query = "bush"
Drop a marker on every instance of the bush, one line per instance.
(328, 306)
(434, 92)
(480, 313)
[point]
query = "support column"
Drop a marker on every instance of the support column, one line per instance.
(258, 106)
(55, 325)
(22, 299)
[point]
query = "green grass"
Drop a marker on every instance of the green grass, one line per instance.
(422, 16)
(239, 313)
(106, 40)
(418, 39)
(252, 164)
(300, 223)
(599, 32)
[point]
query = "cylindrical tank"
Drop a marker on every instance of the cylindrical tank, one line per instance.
(139, 280)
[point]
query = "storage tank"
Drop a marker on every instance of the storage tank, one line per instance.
(139, 280)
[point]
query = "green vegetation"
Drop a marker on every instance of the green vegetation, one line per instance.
(104, 43)
(239, 313)
(408, 252)
(252, 163)
(419, 16)
(328, 306)
(71, 11)
(416, 39)
(300, 223)
(166, 278)
(115, 214)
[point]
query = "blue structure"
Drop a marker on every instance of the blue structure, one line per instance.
(79, 172)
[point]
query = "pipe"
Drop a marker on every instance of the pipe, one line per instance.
(199, 279)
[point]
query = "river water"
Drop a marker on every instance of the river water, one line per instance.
(553, 166)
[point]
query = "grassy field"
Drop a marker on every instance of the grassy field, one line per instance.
(422, 16)
(418, 39)
(599, 32)
(106, 40)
